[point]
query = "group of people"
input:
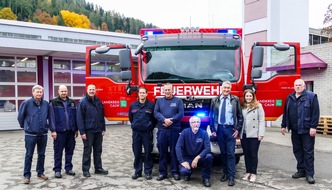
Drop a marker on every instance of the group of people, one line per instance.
(64, 120)
(229, 118)
(187, 149)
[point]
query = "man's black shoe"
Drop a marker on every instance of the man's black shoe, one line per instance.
(206, 182)
(310, 179)
(297, 175)
(135, 176)
(57, 175)
(176, 177)
(224, 178)
(161, 177)
(148, 176)
(187, 178)
(101, 171)
(70, 172)
(231, 181)
(86, 174)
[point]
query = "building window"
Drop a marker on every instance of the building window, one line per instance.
(309, 85)
(316, 39)
(324, 40)
(17, 77)
(70, 73)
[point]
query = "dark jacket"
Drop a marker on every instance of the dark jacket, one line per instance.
(141, 116)
(191, 145)
(307, 111)
(90, 115)
(169, 108)
(33, 117)
(58, 115)
(237, 113)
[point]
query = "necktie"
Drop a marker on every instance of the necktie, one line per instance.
(223, 111)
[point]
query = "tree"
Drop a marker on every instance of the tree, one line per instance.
(104, 26)
(7, 13)
(60, 20)
(26, 9)
(48, 11)
(45, 18)
(75, 20)
(328, 21)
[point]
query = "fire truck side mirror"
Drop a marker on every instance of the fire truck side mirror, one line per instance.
(256, 73)
(281, 46)
(102, 49)
(257, 56)
(125, 75)
(125, 59)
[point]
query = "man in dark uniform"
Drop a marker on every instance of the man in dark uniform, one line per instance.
(64, 130)
(193, 149)
(301, 116)
(142, 124)
(91, 124)
(168, 111)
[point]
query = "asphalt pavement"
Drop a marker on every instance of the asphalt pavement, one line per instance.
(117, 157)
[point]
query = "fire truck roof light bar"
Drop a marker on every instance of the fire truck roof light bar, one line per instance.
(227, 31)
(153, 32)
(158, 31)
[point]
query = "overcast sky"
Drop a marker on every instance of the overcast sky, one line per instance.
(201, 13)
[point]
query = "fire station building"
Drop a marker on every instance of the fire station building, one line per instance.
(47, 55)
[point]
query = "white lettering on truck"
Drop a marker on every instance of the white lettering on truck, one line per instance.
(190, 90)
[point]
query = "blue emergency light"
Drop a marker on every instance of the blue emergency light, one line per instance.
(226, 31)
(153, 32)
(200, 114)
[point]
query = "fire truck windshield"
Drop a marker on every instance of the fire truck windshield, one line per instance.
(191, 64)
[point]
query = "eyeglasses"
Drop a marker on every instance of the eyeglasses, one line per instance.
(195, 122)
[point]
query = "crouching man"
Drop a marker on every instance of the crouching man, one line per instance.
(193, 149)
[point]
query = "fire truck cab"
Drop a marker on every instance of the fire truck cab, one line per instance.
(196, 61)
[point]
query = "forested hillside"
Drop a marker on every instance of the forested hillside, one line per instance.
(71, 13)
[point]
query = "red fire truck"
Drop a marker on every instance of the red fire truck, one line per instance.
(196, 61)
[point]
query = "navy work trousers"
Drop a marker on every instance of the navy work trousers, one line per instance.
(64, 140)
(226, 143)
(303, 149)
(167, 139)
(142, 139)
(30, 144)
(250, 149)
(94, 141)
(205, 163)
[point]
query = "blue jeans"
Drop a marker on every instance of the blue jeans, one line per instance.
(205, 162)
(30, 144)
(226, 143)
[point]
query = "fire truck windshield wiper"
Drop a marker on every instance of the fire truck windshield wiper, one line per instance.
(211, 80)
(164, 80)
